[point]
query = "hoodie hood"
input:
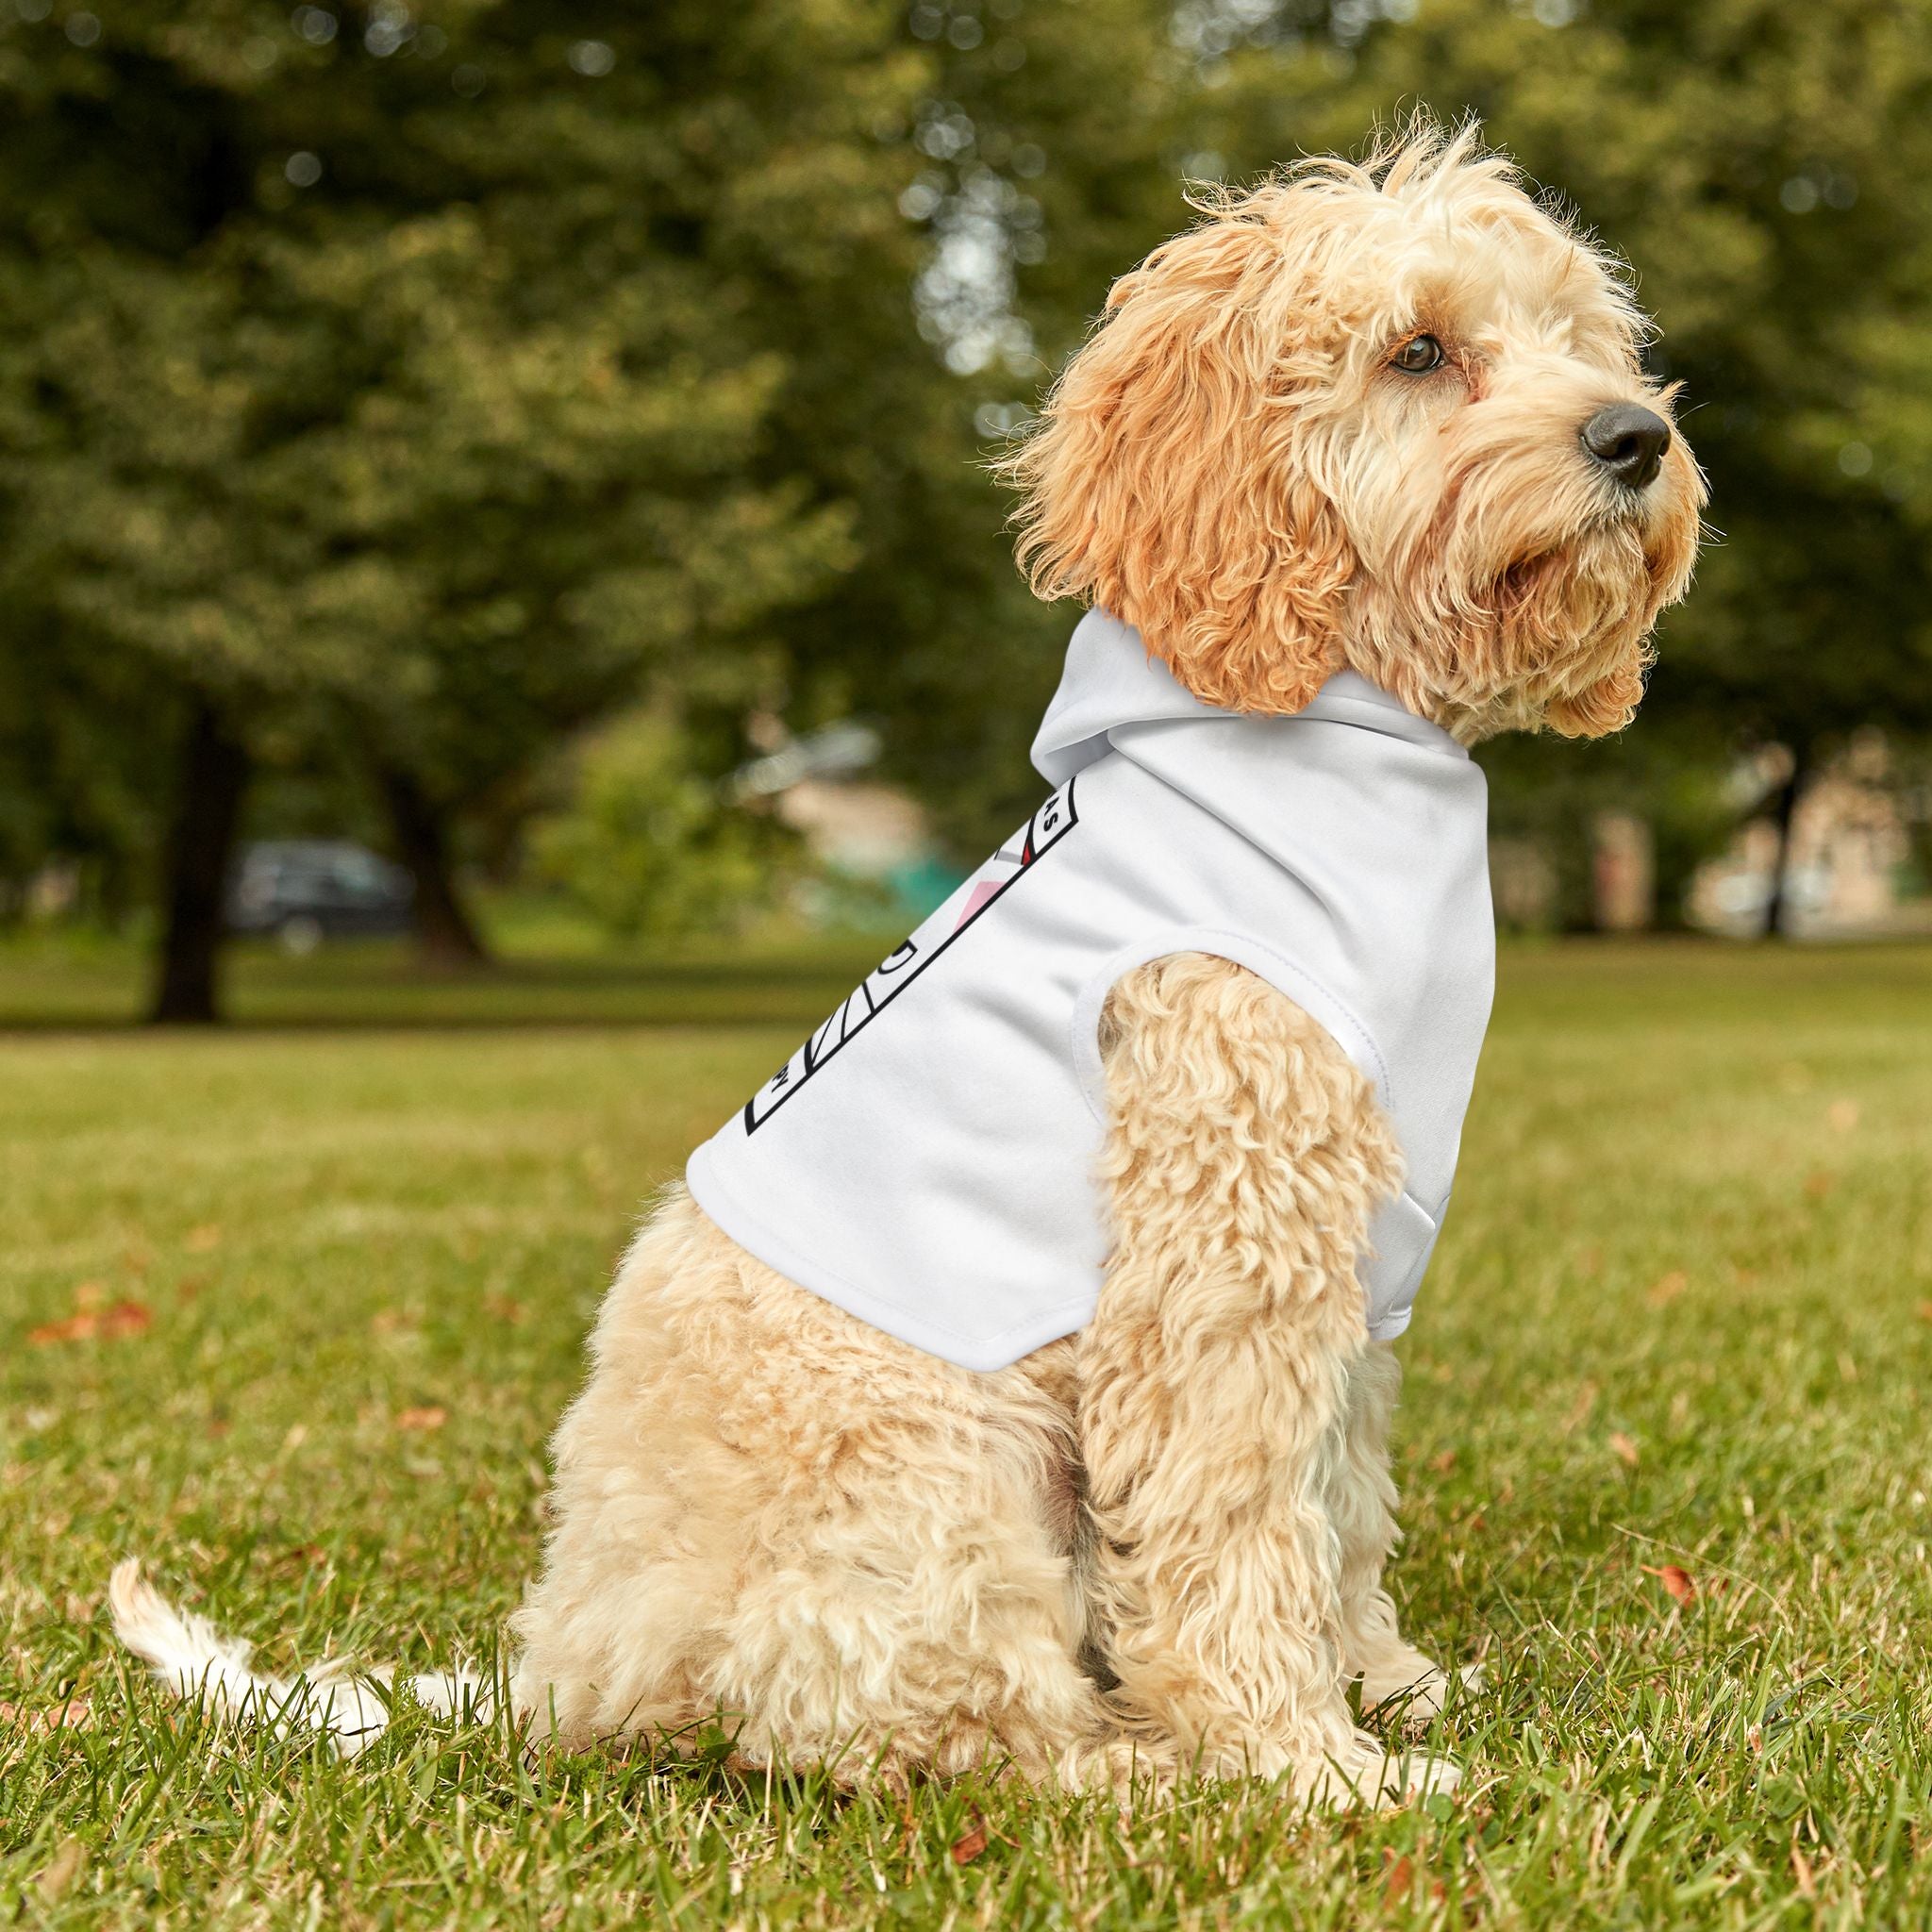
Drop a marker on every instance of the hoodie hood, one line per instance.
(1111, 682)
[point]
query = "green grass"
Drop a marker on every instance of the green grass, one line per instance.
(1679, 1317)
(62, 982)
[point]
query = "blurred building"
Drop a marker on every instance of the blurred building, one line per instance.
(1850, 866)
(1622, 873)
(866, 835)
(1848, 872)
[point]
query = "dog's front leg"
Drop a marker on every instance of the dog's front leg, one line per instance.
(1245, 1157)
(1395, 1676)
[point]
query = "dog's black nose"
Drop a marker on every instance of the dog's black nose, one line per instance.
(1629, 441)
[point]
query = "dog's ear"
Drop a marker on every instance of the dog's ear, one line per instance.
(1168, 481)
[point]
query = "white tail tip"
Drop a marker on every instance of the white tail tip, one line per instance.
(196, 1661)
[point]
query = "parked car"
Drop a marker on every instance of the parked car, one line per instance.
(304, 890)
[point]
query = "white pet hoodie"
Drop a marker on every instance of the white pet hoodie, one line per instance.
(926, 1160)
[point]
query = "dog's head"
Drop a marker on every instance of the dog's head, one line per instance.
(1388, 415)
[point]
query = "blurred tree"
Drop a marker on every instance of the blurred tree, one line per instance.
(410, 379)
(417, 386)
(1049, 152)
(645, 846)
(78, 778)
(1553, 795)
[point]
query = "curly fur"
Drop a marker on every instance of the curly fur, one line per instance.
(1158, 1545)
(1245, 1158)
(768, 1511)
(858, 1554)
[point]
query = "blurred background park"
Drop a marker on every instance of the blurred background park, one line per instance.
(510, 477)
(494, 529)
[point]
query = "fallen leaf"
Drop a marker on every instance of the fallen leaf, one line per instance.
(427, 1417)
(74, 1328)
(1624, 1448)
(203, 1240)
(967, 1848)
(1444, 1463)
(1399, 1883)
(89, 1294)
(75, 1715)
(1666, 1287)
(1842, 1115)
(1925, 1311)
(124, 1318)
(1678, 1583)
(58, 1875)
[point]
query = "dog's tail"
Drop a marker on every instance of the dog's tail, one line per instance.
(194, 1660)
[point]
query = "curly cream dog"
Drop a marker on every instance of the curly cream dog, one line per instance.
(1385, 418)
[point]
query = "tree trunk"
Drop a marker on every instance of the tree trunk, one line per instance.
(201, 844)
(445, 934)
(1776, 905)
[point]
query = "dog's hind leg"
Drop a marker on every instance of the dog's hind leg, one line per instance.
(773, 1518)
(1244, 1158)
(907, 1602)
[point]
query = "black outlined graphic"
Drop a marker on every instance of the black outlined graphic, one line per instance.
(893, 975)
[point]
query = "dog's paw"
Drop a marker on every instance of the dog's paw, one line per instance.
(1368, 1774)
(1413, 1693)
(1415, 1776)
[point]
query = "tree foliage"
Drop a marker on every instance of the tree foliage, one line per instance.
(407, 389)
(417, 382)
(645, 846)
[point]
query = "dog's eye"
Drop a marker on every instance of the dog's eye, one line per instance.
(1418, 355)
